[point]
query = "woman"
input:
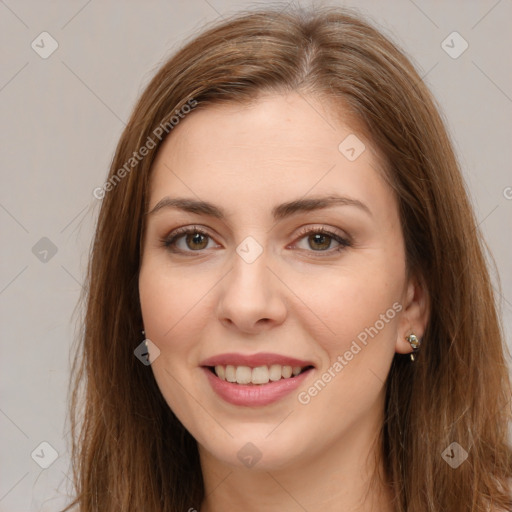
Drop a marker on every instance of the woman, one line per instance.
(286, 245)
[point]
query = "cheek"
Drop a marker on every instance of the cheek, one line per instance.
(172, 304)
(351, 305)
(173, 309)
(362, 313)
(171, 300)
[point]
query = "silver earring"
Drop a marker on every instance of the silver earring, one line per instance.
(415, 343)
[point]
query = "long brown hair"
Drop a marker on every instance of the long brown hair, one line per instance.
(129, 450)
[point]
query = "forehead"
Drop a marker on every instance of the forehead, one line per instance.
(280, 144)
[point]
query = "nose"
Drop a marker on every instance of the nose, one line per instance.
(251, 297)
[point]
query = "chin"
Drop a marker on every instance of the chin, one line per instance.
(254, 450)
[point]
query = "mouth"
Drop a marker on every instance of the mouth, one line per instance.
(255, 380)
(258, 375)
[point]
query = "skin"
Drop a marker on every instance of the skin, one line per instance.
(298, 298)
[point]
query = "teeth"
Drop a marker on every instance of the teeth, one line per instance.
(230, 373)
(260, 375)
(221, 372)
(243, 375)
(257, 375)
(287, 372)
(276, 372)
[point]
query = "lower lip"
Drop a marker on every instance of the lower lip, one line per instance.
(254, 394)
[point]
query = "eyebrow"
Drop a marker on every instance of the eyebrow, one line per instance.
(279, 212)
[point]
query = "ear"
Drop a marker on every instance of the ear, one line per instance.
(415, 313)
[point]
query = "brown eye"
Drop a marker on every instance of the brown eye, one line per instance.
(188, 240)
(196, 241)
(319, 241)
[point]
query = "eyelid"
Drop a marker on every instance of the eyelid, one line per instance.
(344, 240)
(169, 240)
(322, 228)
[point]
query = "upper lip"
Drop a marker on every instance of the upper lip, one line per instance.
(262, 359)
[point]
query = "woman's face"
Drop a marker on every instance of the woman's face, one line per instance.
(252, 289)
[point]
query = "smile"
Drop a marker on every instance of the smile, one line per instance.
(255, 380)
(259, 375)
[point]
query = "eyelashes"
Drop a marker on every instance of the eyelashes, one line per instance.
(170, 241)
(319, 235)
(195, 235)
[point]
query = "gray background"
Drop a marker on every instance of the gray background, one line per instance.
(61, 118)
